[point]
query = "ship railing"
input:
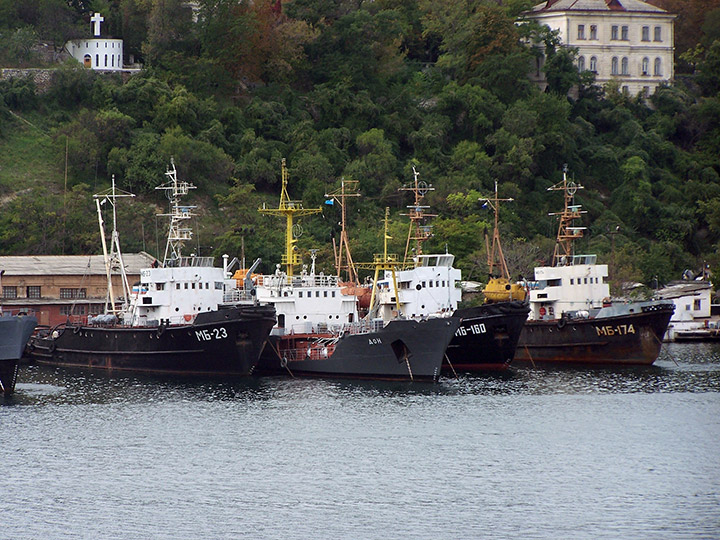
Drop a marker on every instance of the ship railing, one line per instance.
(190, 262)
(281, 281)
(232, 296)
(314, 351)
(363, 326)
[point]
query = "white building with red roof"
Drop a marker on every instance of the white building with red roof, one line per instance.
(625, 40)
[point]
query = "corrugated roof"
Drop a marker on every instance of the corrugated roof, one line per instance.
(597, 5)
(40, 265)
(677, 289)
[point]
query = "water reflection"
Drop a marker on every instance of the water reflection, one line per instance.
(680, 368)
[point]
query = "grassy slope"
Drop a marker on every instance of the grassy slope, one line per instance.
(27, 158)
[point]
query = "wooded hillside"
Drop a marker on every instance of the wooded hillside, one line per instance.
(362, 91)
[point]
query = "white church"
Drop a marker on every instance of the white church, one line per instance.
(98, 53)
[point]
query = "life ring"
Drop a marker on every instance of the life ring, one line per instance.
(283, 362)
(160, 330)
(188, 317)
(561, 323)
(76, 330)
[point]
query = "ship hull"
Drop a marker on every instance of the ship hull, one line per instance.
(629, 339)
(14, 334)
(227, 341)
(487, 337)
(404, 350)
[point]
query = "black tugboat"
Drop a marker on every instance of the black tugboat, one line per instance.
(572, 319)
(15, 330)
(176, 320)
(487, 337)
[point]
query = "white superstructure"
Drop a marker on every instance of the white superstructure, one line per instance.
(581, 285)
(308, 303)
(431, 288)
(175, 291)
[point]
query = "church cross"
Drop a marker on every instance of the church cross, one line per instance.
(96, 20)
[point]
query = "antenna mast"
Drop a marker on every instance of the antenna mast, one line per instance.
(495, 252)
(567, 233)
(179, 214)
(417, 231)
(339, 196)
(289, 209)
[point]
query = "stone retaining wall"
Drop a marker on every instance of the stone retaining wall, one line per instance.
(42, 77)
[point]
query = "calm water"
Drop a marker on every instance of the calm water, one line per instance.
(631, 453)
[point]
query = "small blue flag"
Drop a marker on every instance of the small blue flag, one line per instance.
(331, 202)
(484, 205)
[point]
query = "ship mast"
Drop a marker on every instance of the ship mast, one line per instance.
(385, 261)
(289, 209)
(179, 232)
(494, 252)
(113, 258)
(339, 196)
(567, 233)
(417, 231)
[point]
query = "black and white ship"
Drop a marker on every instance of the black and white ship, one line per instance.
(176, 320)
(430, 287)
(319, 332)
(572, 317)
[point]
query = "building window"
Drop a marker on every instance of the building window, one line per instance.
(9, 291)
(72, 310)
(96, 309)
(658, 67)
(624, 66)
(581, 63)
(614, 33)
(658, 34)
(593, 64)
(625, 91)
(646, 91)
(614, 66)
(624, 34)
(646, 66)
(696, 305)
(593, 31)
(97, 60)
(581, 31)
(73, 293)
(646, 33)
(33, 291)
